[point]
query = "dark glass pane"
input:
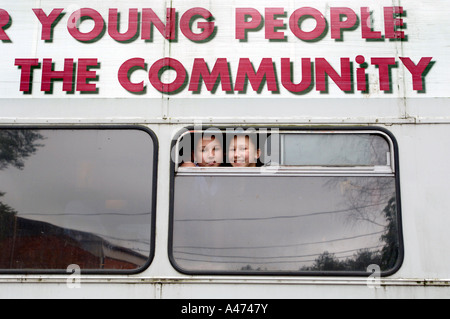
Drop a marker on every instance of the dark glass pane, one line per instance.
(281, 224)
(75, 197)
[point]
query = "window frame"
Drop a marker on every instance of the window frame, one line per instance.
(304, 171)
(154, 172)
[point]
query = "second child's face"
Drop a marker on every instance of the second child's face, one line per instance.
(243, 152)
(209, 153)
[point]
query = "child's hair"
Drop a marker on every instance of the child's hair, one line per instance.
(210, 135)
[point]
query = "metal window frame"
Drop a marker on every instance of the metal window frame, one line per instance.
(375, 171)
(383, 134)
(329, 170)
(154, 171)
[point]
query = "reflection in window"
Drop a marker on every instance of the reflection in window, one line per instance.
(293, 222)
(335, 150)
(75, 197)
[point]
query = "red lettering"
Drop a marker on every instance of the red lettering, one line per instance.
(5, 20)
(257, 77)
(341, 19)
(157, 70)
(246, 20)
(361, 77)
(417, 71)
(84, 75)
(391, 22)
(242, 25)
(125, 73)
(48, 22)
(113, 26)
(299, 15)
(200, 69)
(246, 70)
(323, 68)
(150, 18)
(27, 66)
(286, 75)
(48, 75)
(366, 25)
(338, 25)
(99, 25)
(384, 65)
(272, 23)
(207, 27)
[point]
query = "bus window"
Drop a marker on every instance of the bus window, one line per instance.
(323, 203)
(76, 197)
(335, 150)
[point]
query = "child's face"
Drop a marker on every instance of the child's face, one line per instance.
(243, 152)
(209, 152)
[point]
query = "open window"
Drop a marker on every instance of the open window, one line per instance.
(318, 202)
(77, 196)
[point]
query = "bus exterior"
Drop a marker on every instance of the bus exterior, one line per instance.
(237, 149)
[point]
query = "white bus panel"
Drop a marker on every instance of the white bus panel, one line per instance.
(238, 149)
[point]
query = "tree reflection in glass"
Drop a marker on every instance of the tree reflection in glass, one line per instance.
(75, 197)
